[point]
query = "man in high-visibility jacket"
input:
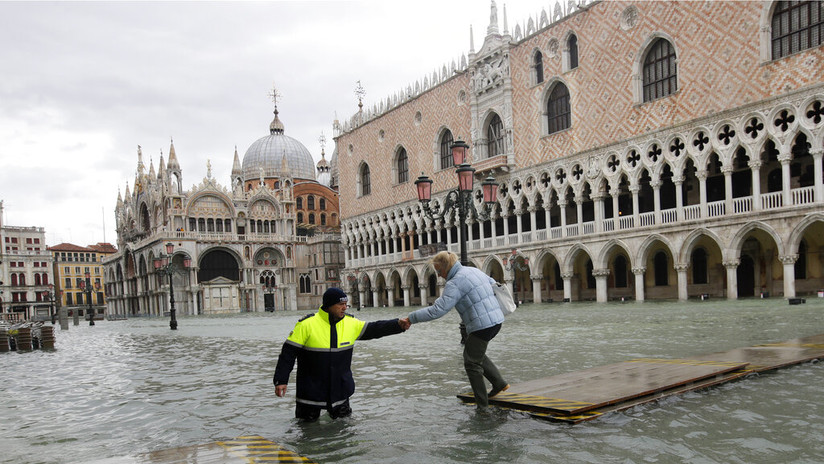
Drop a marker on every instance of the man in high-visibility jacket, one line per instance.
(322, 343)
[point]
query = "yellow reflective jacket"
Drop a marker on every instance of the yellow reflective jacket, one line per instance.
(324, 354)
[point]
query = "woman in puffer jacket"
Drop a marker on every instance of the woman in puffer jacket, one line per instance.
(469, 291)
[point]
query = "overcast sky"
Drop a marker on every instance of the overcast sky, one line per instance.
(82, 84)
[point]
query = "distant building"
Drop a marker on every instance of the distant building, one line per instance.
(71, 264)
(25, 273)
(269, 241)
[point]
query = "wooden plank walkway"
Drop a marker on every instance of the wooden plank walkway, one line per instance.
(585, 395)
(251, 449)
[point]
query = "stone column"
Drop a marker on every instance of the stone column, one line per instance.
(656, 199)
(786, 192)
(732, 279)
(789, 274)
(636, 220)
(390, 295)
(679, 198)
(598, 203)
(536, 288)
(519, 222)
(423, 289)
(681, 269)
(567, 276)
(406, 298)
(817, 172)
(579, 211)
(562, 205)
(506, 226)
(362, 297)
(532, 225)
(601, 293)
(639, 282)
(755, 167)
(728, 206)
(375, 300)
(701, 174)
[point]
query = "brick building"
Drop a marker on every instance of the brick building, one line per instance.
(643, 150)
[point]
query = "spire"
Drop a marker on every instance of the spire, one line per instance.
(173, 164)
(161, 172)
(276, 127)
(152, 174)
(236, 170)
(119, 198)
(128, 194)
(140, 166)
(493, 20)
(471, 41)
(323, 165)
(506, 24)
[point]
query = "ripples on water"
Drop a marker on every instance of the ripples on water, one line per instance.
(128, 387)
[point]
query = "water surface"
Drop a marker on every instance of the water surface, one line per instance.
(129, 387)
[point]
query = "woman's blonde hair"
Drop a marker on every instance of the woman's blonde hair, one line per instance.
(445, 260)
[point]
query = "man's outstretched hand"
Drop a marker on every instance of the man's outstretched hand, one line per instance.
(404, 323)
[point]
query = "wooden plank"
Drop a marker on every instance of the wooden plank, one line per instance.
(585, 395)
(577, 392)
(241, 450)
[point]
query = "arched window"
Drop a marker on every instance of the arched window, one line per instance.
(590, 277)
(311, 218)
(572, 47)
(801, 262)
(402, 166)
(365, 180)
(558, 112)
(699, 266)
(14, 280)
(620, 272)
(796, 26)
(660, 75)
(661, 269)
(323, 219)
(446, 150)
(300, 218)
(310, 202)
(495, 137)
(37, 279)
(538, 67)
(322, 203)
(299, 203)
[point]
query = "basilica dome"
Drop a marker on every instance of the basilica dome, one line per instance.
(277, 152)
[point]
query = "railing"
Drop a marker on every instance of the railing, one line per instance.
(647, 219)
(626, 222)
(771, 200)
(609, 225)
(741, 205)
(589, 227)
(500, 241)
(526, 237)
(669, 216)
(540, 235)
(716, 208)
(803, 195)
(692, 212)
(572, 230)
(556, 232)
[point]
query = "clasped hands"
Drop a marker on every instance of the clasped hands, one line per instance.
(404, 323)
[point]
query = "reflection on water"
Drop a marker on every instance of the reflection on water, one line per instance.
(128, 387)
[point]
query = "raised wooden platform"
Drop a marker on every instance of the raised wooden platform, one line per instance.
(584, 395)
(241, 450)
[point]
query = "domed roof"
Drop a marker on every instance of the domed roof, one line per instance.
(269, 152)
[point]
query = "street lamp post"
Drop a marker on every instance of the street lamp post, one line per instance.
(50, 295)
(460, 198)
(87, 286)
(164, 264)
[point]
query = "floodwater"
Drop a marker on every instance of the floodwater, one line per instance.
(129, 387)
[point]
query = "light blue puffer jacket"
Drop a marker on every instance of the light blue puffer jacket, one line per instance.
(469, 291)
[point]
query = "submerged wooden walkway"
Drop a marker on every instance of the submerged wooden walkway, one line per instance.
(584, 395)
(241, 450)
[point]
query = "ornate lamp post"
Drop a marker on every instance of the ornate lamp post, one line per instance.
(87, 287)
(460, 198)
(164, 264)
(49, 294)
